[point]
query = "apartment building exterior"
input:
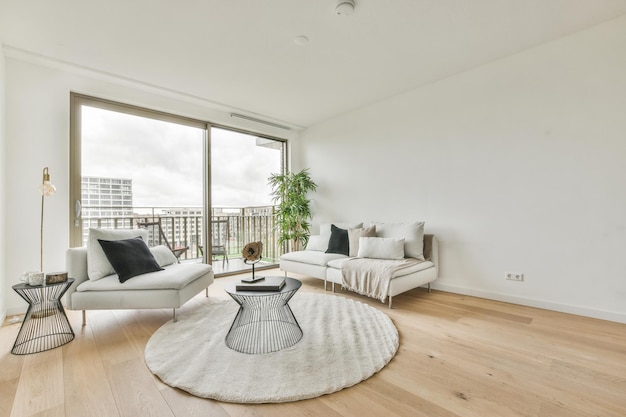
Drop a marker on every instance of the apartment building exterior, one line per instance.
(106, 202)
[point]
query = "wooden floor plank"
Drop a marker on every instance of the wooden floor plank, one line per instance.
(549, 409)
(138, 326)
(379, 397)
(10, 368)
(40, 388)
(82, 367)
(303, 408)
(8, 390)
(459, 356)
(58, 411)
(134, 391)
(113, 345)
(184, 404)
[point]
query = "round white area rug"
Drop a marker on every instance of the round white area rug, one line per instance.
(344, 343)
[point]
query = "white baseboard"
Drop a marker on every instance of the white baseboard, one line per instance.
(530, 302)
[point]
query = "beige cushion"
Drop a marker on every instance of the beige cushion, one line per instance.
(98, 266)
(355, 234)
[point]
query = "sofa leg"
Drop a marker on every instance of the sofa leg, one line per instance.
(174, 319)
(84, 318)
(390, 298)
(333, 286)
(206, 292)
(429, 287)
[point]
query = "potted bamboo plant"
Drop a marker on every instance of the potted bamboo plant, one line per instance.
(293, 212)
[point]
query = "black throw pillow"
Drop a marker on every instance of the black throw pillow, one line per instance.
(129, 257)
(338, 242)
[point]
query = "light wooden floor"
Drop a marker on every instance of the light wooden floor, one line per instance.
(458, 356)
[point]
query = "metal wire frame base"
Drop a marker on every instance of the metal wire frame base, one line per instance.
(45, 325)
(264, 323)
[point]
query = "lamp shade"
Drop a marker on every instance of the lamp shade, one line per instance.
(46, 188)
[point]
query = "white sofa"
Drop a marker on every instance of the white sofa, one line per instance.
(315, 262)
(168, 288)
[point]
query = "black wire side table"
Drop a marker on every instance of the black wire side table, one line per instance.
(45, 325)
(264, 322)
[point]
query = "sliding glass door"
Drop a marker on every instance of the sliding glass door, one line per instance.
(205, 186)
(242, 210)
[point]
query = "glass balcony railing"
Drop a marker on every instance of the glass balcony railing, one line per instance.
(232, 228)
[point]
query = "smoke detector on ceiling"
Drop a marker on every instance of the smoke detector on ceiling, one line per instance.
(345, 7)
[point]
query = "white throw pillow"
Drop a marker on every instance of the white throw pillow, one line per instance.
(163, 255)
(412, 233)
(98, 266)
(381, 248)
(317, 243)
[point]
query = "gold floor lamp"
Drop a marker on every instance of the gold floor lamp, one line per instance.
(45, 189)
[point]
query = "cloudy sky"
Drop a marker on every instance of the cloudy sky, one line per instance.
(164, 160)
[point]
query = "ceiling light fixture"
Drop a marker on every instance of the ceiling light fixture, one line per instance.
(345, 7)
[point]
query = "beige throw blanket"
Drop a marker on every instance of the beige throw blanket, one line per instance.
(371, 277)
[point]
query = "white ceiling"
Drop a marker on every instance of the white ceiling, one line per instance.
(241, 53)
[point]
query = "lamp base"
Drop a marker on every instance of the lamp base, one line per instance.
(252, 280)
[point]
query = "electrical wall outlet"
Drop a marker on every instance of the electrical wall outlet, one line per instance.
(514, 276)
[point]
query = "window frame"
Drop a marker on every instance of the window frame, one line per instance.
(77, 100)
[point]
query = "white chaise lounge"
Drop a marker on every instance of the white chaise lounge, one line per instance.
(168, 288)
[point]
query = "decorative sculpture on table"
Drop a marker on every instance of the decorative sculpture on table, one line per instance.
(251, 256)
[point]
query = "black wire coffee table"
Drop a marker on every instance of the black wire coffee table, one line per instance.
(264, 322)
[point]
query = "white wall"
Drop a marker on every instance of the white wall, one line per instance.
(37, 122)
(3, 273)
(518, 165)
